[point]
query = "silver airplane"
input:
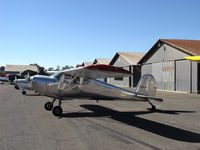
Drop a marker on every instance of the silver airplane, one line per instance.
(3, 79)
(23, 84)
(81, 83)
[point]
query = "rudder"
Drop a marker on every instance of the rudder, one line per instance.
(147, 85)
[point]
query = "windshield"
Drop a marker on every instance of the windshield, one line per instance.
(57, 75)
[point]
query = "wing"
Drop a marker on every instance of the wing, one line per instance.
(97, 71)
(193, 58)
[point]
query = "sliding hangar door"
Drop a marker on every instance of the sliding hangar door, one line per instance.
(179, 75)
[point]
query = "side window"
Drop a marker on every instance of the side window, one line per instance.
(118, 78)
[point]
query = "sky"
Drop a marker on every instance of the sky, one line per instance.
(68, 32)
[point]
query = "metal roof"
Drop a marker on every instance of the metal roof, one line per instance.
(131, 58)
(105, 61)
(20, 68)
(190, 47)
(87, 63)
(78, 65)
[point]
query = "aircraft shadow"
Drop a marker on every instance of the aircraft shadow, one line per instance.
(130, 118)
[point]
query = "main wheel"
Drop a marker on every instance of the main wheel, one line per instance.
(48, 105)
(24, 92)
(57, 111)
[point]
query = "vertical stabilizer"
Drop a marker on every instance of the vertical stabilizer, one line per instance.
(147, 85)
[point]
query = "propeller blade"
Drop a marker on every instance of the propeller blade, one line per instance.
(61, 83)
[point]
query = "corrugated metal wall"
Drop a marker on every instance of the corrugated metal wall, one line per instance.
(163, 73)
(194, 77)
(158, 74)
(198, 77)
(168, 69)
(183, 76)
(147, 69)
(120, 83)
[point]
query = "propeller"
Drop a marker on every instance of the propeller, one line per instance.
(61, 83)
(28, 77)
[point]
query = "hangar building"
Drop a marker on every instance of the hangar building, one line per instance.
(87, 63)
(105, 61)
(16, 69)
(129, 62)
(166, 62)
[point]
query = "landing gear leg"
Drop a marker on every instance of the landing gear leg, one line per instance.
(57, 110)
(153, 107)
(49, 105)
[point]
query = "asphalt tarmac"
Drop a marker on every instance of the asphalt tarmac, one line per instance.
(107, 125)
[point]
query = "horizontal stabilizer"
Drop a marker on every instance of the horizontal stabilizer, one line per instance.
(151, 98)
(156, 99)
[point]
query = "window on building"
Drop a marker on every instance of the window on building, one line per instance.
(118, 78)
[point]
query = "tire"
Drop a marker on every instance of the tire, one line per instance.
(48, 106)
(24, 92)
(57, 111)
(16, 87)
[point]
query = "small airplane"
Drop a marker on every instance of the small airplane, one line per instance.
(81, 83)
(23, 84)
(193, 58)
(4, 79)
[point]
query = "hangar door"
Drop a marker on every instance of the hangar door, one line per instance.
(158, 74)
(183, 76)
(168, 75)
(164, 75)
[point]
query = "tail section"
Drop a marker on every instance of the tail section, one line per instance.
(147, 85)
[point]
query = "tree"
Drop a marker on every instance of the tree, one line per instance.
(57, 68)
(50, 69)
(67, 67)
(41, 69)
(2, 68)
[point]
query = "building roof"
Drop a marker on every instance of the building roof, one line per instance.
(78, 65)
(105, 61)
(87, 63)
(20, 68)
(131, 58)
(190, 47)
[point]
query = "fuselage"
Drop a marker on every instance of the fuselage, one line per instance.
(4, 79)
(89, 89)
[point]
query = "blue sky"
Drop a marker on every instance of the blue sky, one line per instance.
(68, 32)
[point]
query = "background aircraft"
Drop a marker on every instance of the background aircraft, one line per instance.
(23, 84)
(193, 58)
(81, 83)
(4, 79)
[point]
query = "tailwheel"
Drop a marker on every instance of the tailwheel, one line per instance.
(153, 107)
(57, 111)
(24, 92)
(48, 105)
